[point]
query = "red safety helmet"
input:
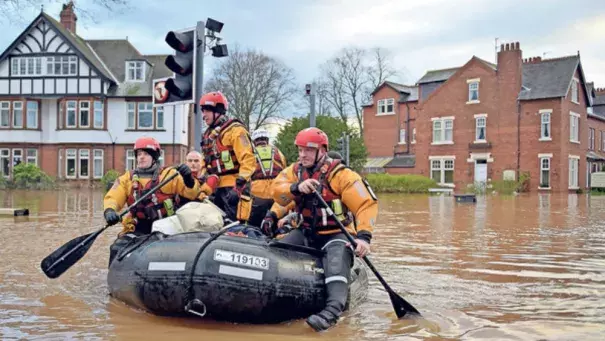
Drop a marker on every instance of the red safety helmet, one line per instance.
(214, 101)
(148, 144)
(312, 138)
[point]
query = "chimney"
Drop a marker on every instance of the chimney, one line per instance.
(510, 65)
(68, 17)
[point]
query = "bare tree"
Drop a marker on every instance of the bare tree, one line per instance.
(12, 10)
(256, 85)
(380, 68)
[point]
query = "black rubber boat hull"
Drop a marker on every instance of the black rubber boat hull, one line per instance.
(277, 282)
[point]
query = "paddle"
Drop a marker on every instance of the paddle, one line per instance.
(401, 306)
(56, 263)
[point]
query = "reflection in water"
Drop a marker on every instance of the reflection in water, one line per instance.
(506, 268)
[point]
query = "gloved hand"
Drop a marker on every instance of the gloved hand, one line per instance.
(185, 172)
(268, 224)
(237, 190)
(111, 217)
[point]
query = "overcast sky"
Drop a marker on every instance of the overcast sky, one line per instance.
(422, 35)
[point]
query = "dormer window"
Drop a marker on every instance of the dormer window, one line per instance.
(135, 71)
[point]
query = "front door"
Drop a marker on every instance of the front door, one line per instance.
(481, 171)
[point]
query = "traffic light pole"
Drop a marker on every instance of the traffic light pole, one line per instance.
(347, 147)
(199, 84)
(312, 110)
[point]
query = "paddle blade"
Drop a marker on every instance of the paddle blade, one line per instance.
(401, 306)
(55, 264)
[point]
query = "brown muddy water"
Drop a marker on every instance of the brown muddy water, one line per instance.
(505, 268)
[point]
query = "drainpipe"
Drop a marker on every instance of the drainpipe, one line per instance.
(396, 130)
(518, 138)
(407, 129)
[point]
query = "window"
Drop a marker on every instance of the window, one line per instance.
(480, 128)
(603, 140)
(62, 66)
(17, 114)
(386, 106)
(545, 126)
(574, 162)
(414, 135)
(442, 170)
(130, 159)
(71, 114)
(32, 115)
(574, 90)
(98, 115)
(544, 172)
(5, 114)
(32, 156)
(5, 162)
(17, 156)
(55, 66)
(159, 118)
(84, 163)
(84, 114)
(473, 91)
(574, 127)
(443, 130)
(131, 115)
(26, 66)
(98, 163)
(145, 116)
(70, 163)
(402, 136)
(135, 71)
(591, 138)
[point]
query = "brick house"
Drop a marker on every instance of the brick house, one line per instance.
(75, 107)
(485, 121)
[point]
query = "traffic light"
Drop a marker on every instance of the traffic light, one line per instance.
(181, 87)
(341, 145)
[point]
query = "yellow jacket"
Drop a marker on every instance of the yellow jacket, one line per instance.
(348, 185)
(281, 211)
(237, 137)
(122, 188)
(262, 188)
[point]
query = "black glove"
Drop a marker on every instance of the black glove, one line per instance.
(268, 223)
(185, 172)
(236, 192)
(111, 217)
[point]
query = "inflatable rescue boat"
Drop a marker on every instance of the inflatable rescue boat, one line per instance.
(223, 277)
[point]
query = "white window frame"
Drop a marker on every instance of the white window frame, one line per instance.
(478, 119)
(383, 107)
(545, 123)
(439, 135)
(20, 156)
(161, 159)
(148, 107)
(14, 116)
(98, 155)
(542, 157)
(62, 65)
(71, 157)
(157, 117)
(413, 135)
(28, 158)
(473, 87)
(27, 110)
(574, 127)
(575, 90)
(5, 154)
(32, 66)
(401, 136)
(591, 138)
(83, 154)
(81, 110)
(442, 163)
(99, 111)
(574, 172)
(130, 157)
(5, 110)
(75, 113)
(133, 66)
(131, 109)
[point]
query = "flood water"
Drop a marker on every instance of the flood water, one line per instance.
(505, 268)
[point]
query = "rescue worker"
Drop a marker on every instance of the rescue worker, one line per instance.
(349, 196)
(269, 163)
(134, 184)
(229, 160)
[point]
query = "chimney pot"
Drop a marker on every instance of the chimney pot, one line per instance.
(68, 17)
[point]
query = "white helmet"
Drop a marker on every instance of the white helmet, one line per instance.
(260, 133)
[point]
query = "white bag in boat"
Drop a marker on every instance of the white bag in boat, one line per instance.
(193, 216)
